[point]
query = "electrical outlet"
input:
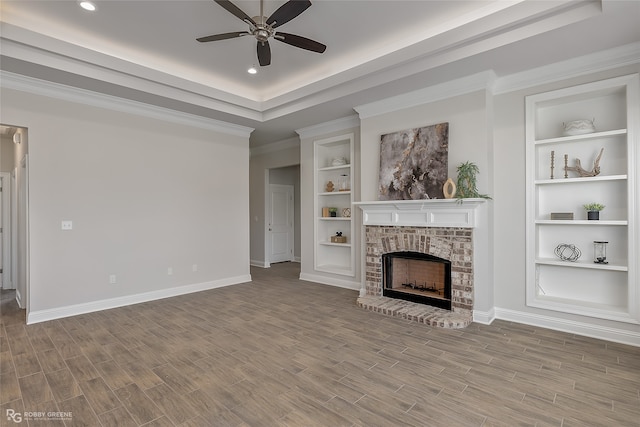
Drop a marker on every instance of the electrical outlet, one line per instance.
(67, 225)
(170, 271)
(112, 279)
(194, 267)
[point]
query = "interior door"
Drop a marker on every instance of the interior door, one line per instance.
(280, 223)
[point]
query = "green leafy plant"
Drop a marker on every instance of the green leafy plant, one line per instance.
(593, 207)
(466, 186)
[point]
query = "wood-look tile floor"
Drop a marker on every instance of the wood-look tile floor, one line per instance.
(283, 352)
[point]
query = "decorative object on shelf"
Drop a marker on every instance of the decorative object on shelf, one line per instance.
(561, 216)
(325, 212)
(593, 210)
(566, 165)
(583, 172)
(579, 127)
(338, 238)
(449, 189)
(553, 159)
(414, 163)
(339, 161)
(343, 182)
(346, 212)
(330, 187)
(466, 186)
(568, 252)
(600, 252)
(333, 212)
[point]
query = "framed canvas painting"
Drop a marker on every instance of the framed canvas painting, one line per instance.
(414, 163)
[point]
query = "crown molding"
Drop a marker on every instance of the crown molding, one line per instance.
(616, 57)
(337, 125)
(450, 89)
(82, 96)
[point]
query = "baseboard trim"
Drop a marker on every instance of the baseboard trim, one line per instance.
(484, 317)
(74, 310)
(19, 299)
(570, 326)
(259, 263)
(330, 281)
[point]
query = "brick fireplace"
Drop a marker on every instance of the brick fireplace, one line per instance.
(443, 229)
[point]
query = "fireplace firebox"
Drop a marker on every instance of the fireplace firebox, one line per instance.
(417, 277)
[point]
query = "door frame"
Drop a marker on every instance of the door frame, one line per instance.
(267, 215)
(7, 271)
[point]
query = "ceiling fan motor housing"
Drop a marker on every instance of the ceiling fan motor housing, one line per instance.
(262, 31)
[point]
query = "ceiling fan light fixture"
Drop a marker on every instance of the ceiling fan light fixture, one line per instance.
(263, 28)
(87, 5)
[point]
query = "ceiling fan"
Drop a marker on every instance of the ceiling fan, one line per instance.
(263, 28)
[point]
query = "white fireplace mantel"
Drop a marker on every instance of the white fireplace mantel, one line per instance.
(467, 213)
(422, 213)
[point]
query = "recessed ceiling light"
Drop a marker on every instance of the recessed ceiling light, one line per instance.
(87, 5)
(252, 70)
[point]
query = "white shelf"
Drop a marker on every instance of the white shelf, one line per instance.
(345, 245)
(559, 181)
(583, 137)
(333, 168)
(585, 308)
(594, 223)
(335, 193)
(581, 264)
(335, 269)
(606, 291)
(334, 218)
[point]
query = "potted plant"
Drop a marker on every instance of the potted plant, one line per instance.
(333, 212)
(593, 210)
(466, 186)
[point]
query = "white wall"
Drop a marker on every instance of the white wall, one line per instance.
(143, 194)
(286, 153)
(466, 115)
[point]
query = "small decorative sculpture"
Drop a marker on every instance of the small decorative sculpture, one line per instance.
(567, 252)
(330, 187)
(553, 158)
(583, 172)
(449, 189)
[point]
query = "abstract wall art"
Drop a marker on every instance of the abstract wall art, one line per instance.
(414, 163)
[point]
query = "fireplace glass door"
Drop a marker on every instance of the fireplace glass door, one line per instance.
(417, 277)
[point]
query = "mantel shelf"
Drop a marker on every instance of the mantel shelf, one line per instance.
(421, 213)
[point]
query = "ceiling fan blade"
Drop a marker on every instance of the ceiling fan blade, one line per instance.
(264, 53)
(301, 42)
(287, 12)
(235, 10)
(223, 36)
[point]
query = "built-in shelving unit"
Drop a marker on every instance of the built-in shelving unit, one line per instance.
(609, 291)
(333, 162)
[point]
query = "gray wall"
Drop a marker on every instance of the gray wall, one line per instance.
(143, 194)
(281, 154)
